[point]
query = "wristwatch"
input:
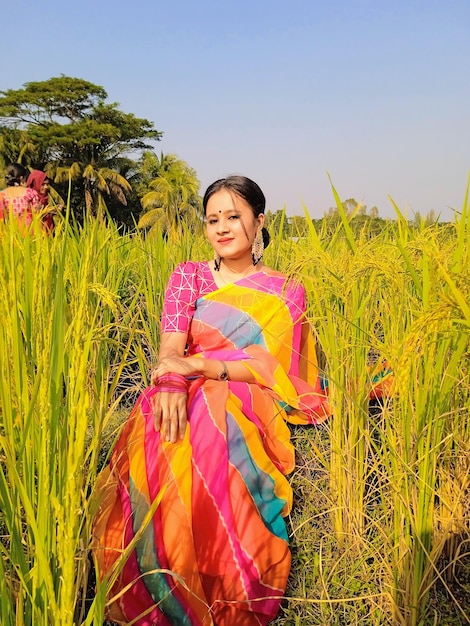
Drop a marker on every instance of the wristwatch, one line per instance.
(223, 374)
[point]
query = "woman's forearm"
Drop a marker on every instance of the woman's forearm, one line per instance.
(211, 368)
(171, 359)
(172, 345)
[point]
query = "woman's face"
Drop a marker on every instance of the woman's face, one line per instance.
(44, 189)
(231, 225)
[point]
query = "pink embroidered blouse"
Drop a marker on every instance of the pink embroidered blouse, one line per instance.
(21, 206)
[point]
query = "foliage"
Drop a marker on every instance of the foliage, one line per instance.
(173, 199)
(65, 126)
(363, 222)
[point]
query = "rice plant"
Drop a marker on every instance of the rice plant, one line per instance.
(380, 525)
(60, 354)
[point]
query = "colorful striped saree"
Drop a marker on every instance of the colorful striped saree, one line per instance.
(214, 548)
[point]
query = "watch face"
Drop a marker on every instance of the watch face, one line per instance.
(223, 375)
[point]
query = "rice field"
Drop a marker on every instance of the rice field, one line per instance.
(380, 528)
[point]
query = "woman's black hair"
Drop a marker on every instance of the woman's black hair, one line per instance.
(246, 189)
(14, 173)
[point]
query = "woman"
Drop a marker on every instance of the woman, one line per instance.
(18, 199)
(39, 181)
(237, 360)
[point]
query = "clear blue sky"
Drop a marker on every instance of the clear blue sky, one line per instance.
(375, 93)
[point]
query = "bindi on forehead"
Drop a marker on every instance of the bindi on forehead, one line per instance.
(224, 211)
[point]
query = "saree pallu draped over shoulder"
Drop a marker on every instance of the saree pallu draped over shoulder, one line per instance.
(207, 513)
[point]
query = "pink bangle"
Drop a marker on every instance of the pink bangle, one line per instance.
(171, 389)
(177, 379)
(172, 383)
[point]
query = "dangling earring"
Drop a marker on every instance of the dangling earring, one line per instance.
(257, 249)
(217, 260)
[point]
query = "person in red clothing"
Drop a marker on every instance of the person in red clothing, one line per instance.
(39, 181)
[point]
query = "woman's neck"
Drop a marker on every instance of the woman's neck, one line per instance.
(230, 271)
(239, 268)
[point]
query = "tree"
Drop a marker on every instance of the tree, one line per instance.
(298, 225)
(278, 223)
(173, 197)
(64, 125)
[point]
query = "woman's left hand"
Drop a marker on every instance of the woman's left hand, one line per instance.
(170, 414)
(169, 408)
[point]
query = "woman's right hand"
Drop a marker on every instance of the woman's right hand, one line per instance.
(170, 416)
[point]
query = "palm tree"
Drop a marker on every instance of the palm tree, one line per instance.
(173, 198)
(98, 182)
